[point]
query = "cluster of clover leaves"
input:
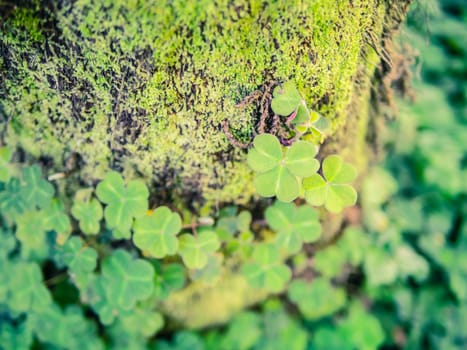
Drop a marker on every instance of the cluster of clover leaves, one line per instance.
(290, 172)
(124, 286)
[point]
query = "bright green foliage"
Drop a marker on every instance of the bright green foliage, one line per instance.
(286, 99)
(362, 329)
(293, 225)
(126, 280)
(169, 278)
(317, 298)
(5, 157)
(266, 270)
(34, 189)
(333, 191)
(11, 201)
(278, 174)
(77, 257)
(327, 338)
(66, 329)
(55, 218)
(142, 322)
(195, 250)
(155, 234)
(243, 332)
(89, 214)
(31, 232)
(123, 202)
(26, 290)
(183, 340)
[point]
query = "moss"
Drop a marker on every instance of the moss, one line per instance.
(144, 86)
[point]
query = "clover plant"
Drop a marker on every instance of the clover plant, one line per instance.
(332, 189)
(89, 214)
(124, 202)
(195, 250)
(293, 225)
(156, 233)
(279, 173)
(266, 269)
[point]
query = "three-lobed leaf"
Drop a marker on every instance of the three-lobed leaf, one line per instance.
(286, 99)
(89, 214)
(126, 280)
(123, 202)
(35, 191)
(294, 225)
(79, 258)
(279, 174)
(333, 191)
(156, 233)
(195, 250)
(266, 270)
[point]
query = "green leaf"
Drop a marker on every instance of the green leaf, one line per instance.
(279, 182)
(126, 280)
(123, 202)
(156, 233)
(267, 271)
(243, 332)
(286, 99)
(55, 218)
(31, 232)
(27, 292)
(5, 157)
(300, 159)
(79, 258)
(326, 338)
(266, 154)
(11, 202)
(277, 175)
(294, 225)
(35, 191)
(195, 250)
(333, 191)
(317, 298)
(303, 114)
(380, 268)
(89, 214)
(362, 329)
(169, 278)
(145, 323)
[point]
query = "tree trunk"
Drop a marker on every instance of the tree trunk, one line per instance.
(172, 91)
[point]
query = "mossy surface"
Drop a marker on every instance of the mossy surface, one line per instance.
(144, 87)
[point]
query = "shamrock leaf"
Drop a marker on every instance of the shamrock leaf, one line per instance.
(316, 299)
(27, 292)
(31, 232)
(169, 278)
(55, 218)
(11, 202)
(294, 225)
(126, 280)
(156, 233)
(286, 99)
(5, 157)
(278, 174)
(267, 271)
(123, 202)
(195, 249)
(333, 191)
(142, 322)
(34, 189)
(79, 258)
(89, 214)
